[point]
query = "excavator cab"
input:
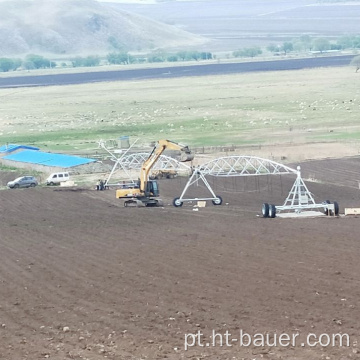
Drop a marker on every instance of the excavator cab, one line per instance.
(152, 188)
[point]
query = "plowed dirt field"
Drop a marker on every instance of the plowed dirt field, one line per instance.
(82, 277)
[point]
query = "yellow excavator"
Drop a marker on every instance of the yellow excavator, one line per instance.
(145, 192)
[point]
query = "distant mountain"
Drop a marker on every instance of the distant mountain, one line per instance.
(81, 27)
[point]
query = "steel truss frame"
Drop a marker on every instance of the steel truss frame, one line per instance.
(226, 166)
(127, 162)
(299, 198)
(244, 166)
(135, 161)
(196, 175)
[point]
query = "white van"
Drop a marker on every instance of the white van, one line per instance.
(57, 178)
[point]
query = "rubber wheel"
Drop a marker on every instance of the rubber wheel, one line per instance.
(177, 202)
(265, 210)
(326, 211)
(336, 208)
(217, 201)
(51, 184)
(16, 186)
(32, 185)
(272, 211)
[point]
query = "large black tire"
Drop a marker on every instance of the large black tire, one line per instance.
(272, 211)
(177, 202)
(265, 210)
(217, 201)
(16, 186)
(336, 208)
(32, 185)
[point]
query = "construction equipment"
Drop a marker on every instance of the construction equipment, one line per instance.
(145, 191)
(163, 174)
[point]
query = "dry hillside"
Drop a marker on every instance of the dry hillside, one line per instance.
(80, 27)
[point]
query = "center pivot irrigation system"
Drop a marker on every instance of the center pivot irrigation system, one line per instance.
(133, 161)
(298, 200)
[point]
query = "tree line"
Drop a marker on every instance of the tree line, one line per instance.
(121, 56)
(30, 62)
(157, 56)
(303, 43)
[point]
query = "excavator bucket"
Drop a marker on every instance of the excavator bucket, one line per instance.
(186, 154)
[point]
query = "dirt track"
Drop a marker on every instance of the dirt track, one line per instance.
(129, 283)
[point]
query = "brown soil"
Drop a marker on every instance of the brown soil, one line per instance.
(82, 277)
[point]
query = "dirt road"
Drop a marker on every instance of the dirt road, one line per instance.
(173, 72)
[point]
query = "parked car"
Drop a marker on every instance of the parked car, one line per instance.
(57, 178)
(23, 182)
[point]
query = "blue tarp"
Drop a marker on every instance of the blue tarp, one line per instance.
(12, 147)
(48, 159)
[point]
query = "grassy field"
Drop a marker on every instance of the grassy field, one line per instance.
(259, 108)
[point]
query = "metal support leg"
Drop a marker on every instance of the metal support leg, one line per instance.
(194, 178)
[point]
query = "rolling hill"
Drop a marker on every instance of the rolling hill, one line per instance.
(83, 27)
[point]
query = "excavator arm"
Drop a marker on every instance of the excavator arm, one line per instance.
(146, 191)
(160, 147)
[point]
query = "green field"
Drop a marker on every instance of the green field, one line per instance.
(301, 106)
